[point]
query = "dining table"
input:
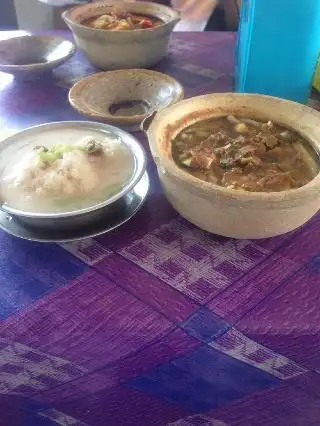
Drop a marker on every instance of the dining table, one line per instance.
(157, 322)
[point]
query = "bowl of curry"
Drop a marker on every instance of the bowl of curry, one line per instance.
(122, 35)
(239, 165)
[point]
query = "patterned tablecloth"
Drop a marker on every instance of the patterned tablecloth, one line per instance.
(157, 323)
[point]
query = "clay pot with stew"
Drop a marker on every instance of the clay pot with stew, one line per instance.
(227, 210)
(111, 49)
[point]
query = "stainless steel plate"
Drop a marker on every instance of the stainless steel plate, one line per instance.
(133, 201)
(22, 142)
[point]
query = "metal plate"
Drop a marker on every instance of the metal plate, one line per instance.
(132, 203)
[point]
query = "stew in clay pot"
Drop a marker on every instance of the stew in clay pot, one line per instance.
(239, 165)
(245, 154)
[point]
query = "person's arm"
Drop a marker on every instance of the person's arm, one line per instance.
(194, 13)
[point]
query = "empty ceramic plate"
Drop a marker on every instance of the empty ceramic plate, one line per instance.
(124, 97)
(30, 56)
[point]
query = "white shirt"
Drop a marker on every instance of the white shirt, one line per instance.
(195, 13)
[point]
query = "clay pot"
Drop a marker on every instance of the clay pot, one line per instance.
(223, 211)
(111, 50)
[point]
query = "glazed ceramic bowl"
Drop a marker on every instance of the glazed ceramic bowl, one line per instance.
(31, 56)
(74, 219)
(223, 211)
(110, 50)
(124, 97)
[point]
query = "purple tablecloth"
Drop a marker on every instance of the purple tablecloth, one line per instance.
(157, 323)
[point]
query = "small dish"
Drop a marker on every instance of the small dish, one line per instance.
(125, 97)
(131, 204)
(30, 56)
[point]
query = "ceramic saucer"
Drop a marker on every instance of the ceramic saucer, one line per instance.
(124, 98)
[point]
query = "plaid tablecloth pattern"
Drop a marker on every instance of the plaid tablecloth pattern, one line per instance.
(157, 323)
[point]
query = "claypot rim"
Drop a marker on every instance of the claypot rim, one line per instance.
(159, 135)
(176, 15)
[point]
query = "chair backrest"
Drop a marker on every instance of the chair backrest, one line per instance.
(232, 13)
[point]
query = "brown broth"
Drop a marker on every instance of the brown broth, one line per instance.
(244, 154)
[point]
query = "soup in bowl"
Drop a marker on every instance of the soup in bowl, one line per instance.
(122, 35)
(64, 173)
(117, 20)
(242, 166)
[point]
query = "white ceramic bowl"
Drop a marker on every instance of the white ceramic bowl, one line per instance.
(228, 212)
(111, 50)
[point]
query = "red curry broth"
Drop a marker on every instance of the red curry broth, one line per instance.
(244, 154)
(122, 21)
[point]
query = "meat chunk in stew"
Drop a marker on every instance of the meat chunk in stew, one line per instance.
(122, 21)
(245, 154)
